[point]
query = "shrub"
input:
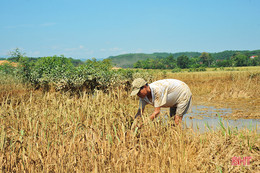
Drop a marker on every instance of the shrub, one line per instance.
(7, 68)
(176, 70)
(59, 73)
(201, 68)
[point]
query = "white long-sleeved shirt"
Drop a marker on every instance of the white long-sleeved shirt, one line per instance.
(167, 93)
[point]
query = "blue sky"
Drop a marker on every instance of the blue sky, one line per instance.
(84, 29)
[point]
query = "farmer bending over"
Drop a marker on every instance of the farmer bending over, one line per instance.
(171, 93)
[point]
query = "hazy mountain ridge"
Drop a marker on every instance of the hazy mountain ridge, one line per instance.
(127, 60)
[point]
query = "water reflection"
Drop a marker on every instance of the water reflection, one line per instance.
(206, 118)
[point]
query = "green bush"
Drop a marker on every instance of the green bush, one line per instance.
(176, 70)
(7, 68)
(201, 68)
(46, 71)
(59, 73)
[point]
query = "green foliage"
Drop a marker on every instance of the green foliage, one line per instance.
(50, 69)
(201, 68)
(76, 62)
(159, 60)
(239, 59)
(206, 58)
(194, 63)
(126, 73)
(128, 60)
(183, 61)
(223, 63)
(158, 63)
(7, 68)
(254, 61)
(59, 73)
(176, 70)
(16, 54)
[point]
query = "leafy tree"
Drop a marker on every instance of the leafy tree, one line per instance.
(239, 60)
(7, 68)
(194, 60)
(75, 62)
(183, 61)
(146, 64)
(254, 62)
(16, 55)
(206, 58)
(24, 67)
(170, 62)
(138, 64)
(158, 63)
(107, 63)
(224, 63)
(51, 69)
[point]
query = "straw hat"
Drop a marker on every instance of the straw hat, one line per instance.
(136, 85)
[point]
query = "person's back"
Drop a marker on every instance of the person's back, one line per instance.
(171, 93)
(168, 92)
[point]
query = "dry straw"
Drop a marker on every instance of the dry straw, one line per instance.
(59, 132)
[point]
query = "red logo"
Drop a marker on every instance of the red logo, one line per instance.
(236, 161)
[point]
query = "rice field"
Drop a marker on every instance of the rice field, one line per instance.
(62, 132)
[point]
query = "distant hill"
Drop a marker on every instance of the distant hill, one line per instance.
(228, 53)
(127, 60)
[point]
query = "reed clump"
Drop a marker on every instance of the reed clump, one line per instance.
(60, 132)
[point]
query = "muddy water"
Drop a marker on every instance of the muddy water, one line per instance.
(206, 118)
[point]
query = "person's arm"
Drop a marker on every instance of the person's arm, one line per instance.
(155, 113)
(142, 105)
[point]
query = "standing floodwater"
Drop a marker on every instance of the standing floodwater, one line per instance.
(204, 118)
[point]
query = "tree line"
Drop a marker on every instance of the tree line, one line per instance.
(59, 73)
(16, 54)
(204, 60)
